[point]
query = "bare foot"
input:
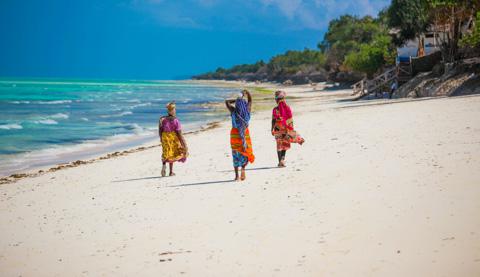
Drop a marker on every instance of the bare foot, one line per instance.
(164, 171)
(172, 174)
(237, 179)
(281, 163)
(242, 176)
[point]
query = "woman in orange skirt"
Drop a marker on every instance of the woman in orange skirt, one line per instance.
(240, 141)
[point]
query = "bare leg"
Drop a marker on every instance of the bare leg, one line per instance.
(164, 169)
(171, 169)
(237, 178)
(279, 154)
(282, 158)
(243, 177)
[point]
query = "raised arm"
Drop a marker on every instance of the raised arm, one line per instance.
(229, 105)
(249, 99)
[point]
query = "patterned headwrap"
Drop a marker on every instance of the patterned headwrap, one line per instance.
(279, 94)
(171, 107)
(284, 110)
(241, 116)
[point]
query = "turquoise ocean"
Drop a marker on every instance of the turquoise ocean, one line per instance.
(46, 122)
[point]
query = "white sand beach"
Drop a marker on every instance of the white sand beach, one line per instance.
(380, 188)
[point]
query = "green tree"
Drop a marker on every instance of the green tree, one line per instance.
(345, 35)
(410, 17)
(292, 61)
(449, 16)
(472, 39)
(370, 58)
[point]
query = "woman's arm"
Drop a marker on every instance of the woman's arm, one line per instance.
(182, 140)
(228, 103)
(249, 99)
(273, 125)
(160, 127)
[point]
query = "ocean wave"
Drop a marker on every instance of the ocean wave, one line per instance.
(125, 113)
(50, 119)
(11, 127)
(141, 105)
(53, 102)
(116, 115)
(133, 101)
(46, 122)
(59, 116)
(84, 119)
(19, 102)
(135, 128)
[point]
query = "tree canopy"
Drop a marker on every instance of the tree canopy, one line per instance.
(368, 44)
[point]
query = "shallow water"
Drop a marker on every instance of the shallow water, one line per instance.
(50, 121)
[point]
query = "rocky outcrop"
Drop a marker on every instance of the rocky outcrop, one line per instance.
(460, 79)
(304, 76)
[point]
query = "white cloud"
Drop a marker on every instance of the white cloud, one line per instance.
(261, 14)
(290, 8)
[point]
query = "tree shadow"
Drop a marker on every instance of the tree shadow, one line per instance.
(203, 183)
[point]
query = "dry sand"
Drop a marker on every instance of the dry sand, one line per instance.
(380, 188)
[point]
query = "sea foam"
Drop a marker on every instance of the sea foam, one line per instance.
(11, 127)
(46, 122)
(59, 116)
(54, 102)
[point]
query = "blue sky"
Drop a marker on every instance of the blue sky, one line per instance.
(157, 39)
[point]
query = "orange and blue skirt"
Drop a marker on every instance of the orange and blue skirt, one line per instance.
(241, 157)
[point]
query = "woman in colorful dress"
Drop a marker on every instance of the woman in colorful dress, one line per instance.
(240, 140)
(282, 127)
(173, 143)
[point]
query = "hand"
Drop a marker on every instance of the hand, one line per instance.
(273, 133)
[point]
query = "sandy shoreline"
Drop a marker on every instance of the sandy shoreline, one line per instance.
(260, 91)
(135, 143)
(152, 143)
(380, 188)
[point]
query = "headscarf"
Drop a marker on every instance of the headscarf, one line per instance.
(284, 109)
(170, 108)
(279, 94)
(241, 117)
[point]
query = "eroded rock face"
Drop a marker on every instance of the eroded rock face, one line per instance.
(461, 79)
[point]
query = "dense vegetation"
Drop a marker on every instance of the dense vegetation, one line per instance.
(354, 47)
(414, 17)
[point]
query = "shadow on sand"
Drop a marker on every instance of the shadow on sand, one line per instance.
(202, 183)
(138, 179)
(256, 168)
